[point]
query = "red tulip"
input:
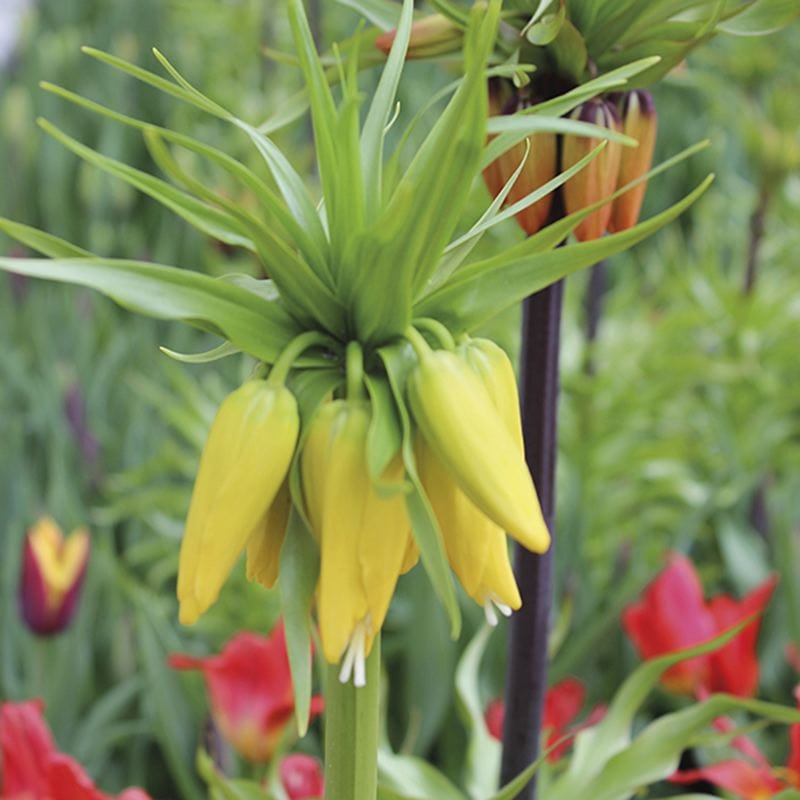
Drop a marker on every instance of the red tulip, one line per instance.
(562, 704)
(250, 688)
(31, 768)
(751, 777)
(672, 615)
(301, 776)
(53, 569)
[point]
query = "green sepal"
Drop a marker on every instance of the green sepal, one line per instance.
(297, 580)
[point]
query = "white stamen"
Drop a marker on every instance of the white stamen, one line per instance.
(503, 608)
(347, 663)
(489, 610)
(354, 660)
(360, 673)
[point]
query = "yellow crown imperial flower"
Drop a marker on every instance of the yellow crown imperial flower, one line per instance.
(264, 546)
(476, 547)
(459, 421)
(244, 463)
(363, 534)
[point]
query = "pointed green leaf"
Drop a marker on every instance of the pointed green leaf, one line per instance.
(475, 294)
(44, 243)
(299, 568)
(256, 326)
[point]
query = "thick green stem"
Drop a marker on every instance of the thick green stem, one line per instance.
(351, 733)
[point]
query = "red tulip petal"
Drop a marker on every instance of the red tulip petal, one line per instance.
(738, 777)
(734, 667)
(301, 776)
(671, 616)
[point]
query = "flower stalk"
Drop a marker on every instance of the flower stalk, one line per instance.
(526, 676)
(351, 732)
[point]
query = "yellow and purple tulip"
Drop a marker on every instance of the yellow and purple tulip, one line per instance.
(598, 179)
(639, 121)
(53, 570)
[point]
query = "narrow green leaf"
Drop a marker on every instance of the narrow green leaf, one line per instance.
(596, 745)
(303, 290)
(214, 354)
(483, 752)
(397, 361)
(524, 126)
(222, 788)
(655, 753)
(44, 243)
(210, 221)
(299, 569)
(381, 107)
(193, 97)
(256, 326)
(403, 246)
(412, 778)
(382, 13)
(475, 294)
(271, 204)
(762, 17)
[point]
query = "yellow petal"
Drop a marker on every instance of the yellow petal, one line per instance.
(264, 545)
(457, 418)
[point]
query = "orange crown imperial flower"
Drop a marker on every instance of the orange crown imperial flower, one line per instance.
(53, 569)
(539, 167)
(434, 35)
(598, 179)
(639, 121)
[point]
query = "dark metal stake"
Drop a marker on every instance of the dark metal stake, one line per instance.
(526, 678)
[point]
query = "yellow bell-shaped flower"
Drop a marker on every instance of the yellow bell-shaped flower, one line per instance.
(457, 418)
(363, 535)
(476, 547)
(243, 465)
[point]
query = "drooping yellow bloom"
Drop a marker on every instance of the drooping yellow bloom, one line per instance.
(363, 535)
(457, 418)
(476, 547)
(243, 465)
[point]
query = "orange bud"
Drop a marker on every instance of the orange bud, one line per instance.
(599, 178)
(434, 35)
(540, 167)
(639, 120)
